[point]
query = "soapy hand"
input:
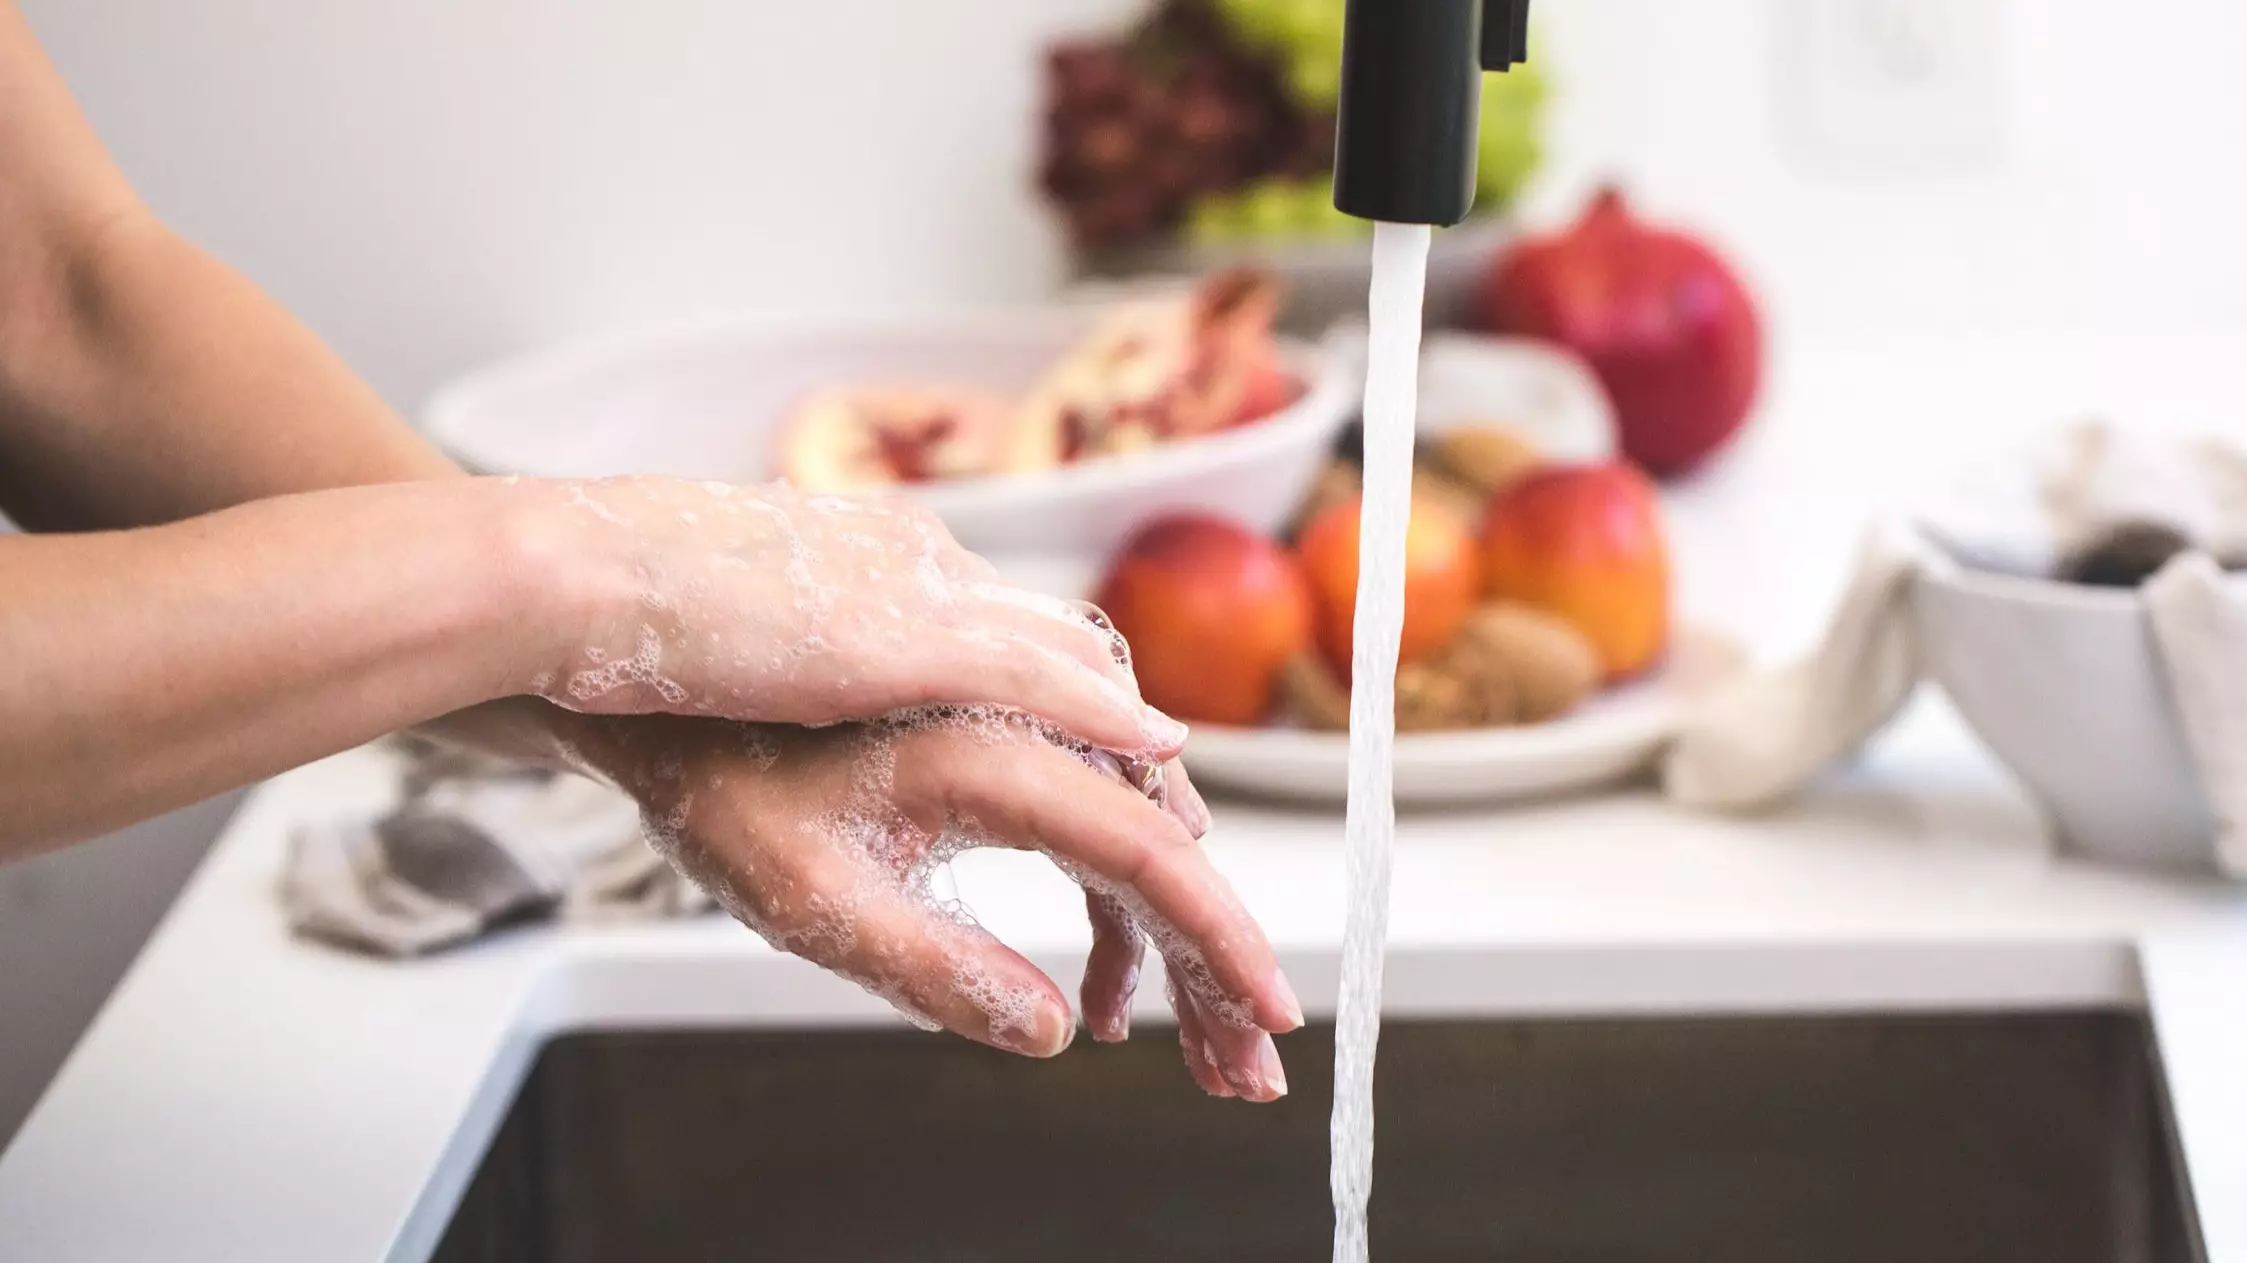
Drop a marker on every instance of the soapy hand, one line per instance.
(760, 603)
(824, 842)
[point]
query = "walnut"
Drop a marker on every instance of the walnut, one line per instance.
(1511, 664)
(1486, 458)
(1430, 698)
(1551, 666)
(1318, 699)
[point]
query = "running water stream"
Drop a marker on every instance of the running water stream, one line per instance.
(1400, 273)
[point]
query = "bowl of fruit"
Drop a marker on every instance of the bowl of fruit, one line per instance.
(1540, 652)
(1040, 438)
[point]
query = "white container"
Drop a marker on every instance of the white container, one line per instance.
(2064, 684)
(709, 405)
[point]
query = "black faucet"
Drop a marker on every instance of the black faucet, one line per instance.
(1411, 101)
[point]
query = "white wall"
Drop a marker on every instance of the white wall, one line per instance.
(433, 182)
(2117, 201)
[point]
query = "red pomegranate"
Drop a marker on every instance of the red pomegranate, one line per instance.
(1664, 322)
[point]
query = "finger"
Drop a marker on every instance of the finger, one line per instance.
(1192, 1041)
(936, 540)
(949, 972)
(1244, 1057)
(1185, 802)
(1111, 971)
(1111, 837)
(958, 563)
(1049, 621)
(978, 667)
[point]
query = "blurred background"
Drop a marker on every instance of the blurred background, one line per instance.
(433, 185)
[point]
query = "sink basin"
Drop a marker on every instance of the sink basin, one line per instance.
(1970, 1136)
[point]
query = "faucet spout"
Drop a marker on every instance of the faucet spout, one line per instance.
(1411, 98)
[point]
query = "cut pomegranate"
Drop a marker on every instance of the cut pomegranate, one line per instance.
(857, 438)
(1157, 371)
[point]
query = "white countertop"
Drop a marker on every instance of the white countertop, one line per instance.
(246, 1096)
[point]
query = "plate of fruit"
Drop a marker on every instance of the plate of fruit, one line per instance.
(1540, 653)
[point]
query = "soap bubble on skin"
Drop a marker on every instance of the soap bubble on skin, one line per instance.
(811, 637)
(761, 750)
(1188, 964)
(599, 509)
(643, 668)
(826, 582)
(871, 849)
(935, 586)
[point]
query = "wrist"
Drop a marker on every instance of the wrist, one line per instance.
(558, 582)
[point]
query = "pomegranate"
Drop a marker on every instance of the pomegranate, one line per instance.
(1670, 330)
(1159, 370)
(857, 438)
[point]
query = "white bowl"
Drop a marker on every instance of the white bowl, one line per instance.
(2063, 683)
(709, 405)
(1541, 391)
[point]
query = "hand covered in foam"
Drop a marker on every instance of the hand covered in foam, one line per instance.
(824, 842)
(760, 603)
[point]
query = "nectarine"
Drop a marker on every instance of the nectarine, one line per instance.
(1586, 543)
(1439, 579)
(1212, 612)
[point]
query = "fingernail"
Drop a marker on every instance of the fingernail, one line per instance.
(1195, 812)
(1235, 1082)
(1268, 1066)
(1292, 1006)
(1055, 1028)
(1163, 732)
(1203, 1067)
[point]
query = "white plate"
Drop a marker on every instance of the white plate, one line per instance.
(1608, 739)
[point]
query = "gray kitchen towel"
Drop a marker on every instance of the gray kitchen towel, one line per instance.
(472, 845)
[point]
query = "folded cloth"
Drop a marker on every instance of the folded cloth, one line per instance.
(1756, 741)
(473, 845)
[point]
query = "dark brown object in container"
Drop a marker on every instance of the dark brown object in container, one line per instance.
(2124, 556)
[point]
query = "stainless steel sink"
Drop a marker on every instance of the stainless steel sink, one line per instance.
(2018, 1136)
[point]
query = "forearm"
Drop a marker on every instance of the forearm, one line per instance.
(149, 668)
(141, 380)
(160, 385)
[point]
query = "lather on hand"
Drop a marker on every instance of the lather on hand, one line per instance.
(823, 841)
(241, 559)
(754, 602)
